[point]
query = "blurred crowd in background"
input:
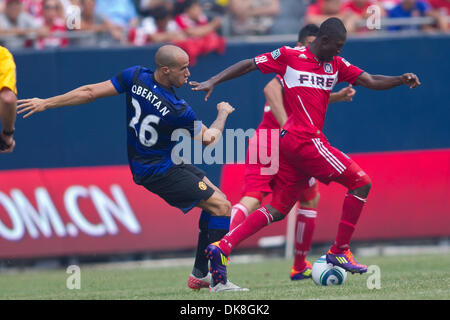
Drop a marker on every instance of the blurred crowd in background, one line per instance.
(201, 26)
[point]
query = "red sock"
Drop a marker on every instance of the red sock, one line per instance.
(351, 211)
(304, 229)
(238, 214)
(253, 223)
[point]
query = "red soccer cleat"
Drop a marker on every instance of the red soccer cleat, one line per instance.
(303, 274)
(197, 283)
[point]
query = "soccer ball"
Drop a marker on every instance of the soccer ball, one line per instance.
(325, 274)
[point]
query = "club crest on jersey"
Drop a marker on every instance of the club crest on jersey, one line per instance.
(202, 185)
(275, 54)
(328, 68)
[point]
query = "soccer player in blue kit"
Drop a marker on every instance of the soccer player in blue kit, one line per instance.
(154, 112)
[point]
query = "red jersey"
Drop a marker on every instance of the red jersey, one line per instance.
(33, 7)
(307, 84)
(315, 9)
(441, 5)
(269, 121)
(352, 7)
(185, 22)
(51, 41)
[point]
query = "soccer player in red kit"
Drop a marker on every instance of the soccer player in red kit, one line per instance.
(257, 185)
(309, 74)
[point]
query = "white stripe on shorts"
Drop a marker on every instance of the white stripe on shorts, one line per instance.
(328, 156)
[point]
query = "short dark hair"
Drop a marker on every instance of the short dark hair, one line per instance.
(307, 31)
(160, 12)
(182, 5)
(333, 28)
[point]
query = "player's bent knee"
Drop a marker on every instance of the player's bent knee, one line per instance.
(276, 215)
(226, 208)
(250, 203)
(355, 178)
(258, 195)
(222, 209)
(313, 203)
(362, 191)
(216, 205)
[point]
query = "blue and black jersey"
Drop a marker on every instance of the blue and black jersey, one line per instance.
(153, 113)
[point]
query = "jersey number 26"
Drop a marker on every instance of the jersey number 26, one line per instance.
(145, 128)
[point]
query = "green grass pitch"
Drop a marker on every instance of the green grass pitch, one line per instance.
(404, 277)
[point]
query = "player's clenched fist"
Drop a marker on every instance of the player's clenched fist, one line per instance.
(31, 106)
(411, 80)
(346, 94)
(225, 107)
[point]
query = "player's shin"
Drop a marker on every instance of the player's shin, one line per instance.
(200, 269)
(252, 224)
(358, 184)
(352, 208)
(238, 214)
(304, 229)
(218, 227)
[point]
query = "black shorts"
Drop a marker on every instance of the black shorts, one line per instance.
(181, 186)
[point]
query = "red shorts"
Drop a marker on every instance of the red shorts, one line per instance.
(304, 157)
(260, 171)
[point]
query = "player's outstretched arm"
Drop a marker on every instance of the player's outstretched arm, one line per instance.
(81, 95)
(345, 94)
(214, 132)
(273, 91)
(236, 70)
(380, 82)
